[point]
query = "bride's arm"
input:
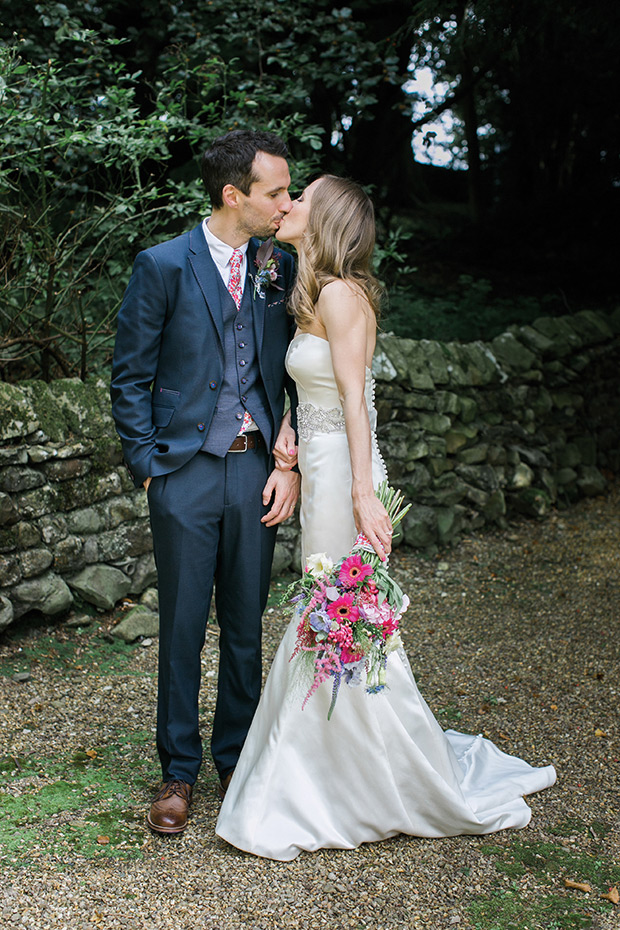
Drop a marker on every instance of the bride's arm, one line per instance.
(345, 315)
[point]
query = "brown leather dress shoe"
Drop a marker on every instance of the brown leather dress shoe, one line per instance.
(168, 813)
(222, 788)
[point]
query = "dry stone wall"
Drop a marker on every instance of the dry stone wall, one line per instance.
(470, 432)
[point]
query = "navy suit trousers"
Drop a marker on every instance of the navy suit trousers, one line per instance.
(206, 527)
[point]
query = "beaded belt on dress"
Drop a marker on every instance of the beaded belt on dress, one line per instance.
(311, 420)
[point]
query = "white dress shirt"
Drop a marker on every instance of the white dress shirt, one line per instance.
(221, 253)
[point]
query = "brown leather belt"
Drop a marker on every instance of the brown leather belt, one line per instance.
(253, 440)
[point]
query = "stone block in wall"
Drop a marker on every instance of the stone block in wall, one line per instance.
(416, 371)
(511, 353)
(450, 522)
(8, 510)
(420, 526)
(459, 436)
(437, 423)
(481, 476)
(521, 477)
(568, 456)
(436, 361)
(144, 573)
(417, 400)
(495, 506)
(591, 327)
(474, 454)
(128, 539)
(533, 339)
(534, 457)
(437, 466)
(14, 478)
(53, 527)
(13, 456)
(389, 348)
(567, 401)
(415, 480)
(125, 508)
(138, 622)
(88, 490)
(562, 335)
(467, 409)
(38, 502)
(101, 585)
(448, 489)
(418, 449)
(10, 571)
(34, 562)
(69, 554)
(587, 449)
(590, 481)
(534, 502)
(6, 612)
(549, 483)
(565, 476)
(67, 469)
(447, 402)
(457, 374)
(540, 401)
(480, 364)
(85, 521)
(382, 367)
(17, 415)
(47, 593)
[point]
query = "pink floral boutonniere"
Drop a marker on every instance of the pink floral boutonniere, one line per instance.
(268, 263)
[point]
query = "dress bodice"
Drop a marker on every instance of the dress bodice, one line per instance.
(309, 363)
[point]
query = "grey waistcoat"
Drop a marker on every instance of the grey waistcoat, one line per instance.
(242, 387)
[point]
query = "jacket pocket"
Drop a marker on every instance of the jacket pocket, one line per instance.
(161, 415)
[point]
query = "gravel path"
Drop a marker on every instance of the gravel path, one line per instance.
(514, 634)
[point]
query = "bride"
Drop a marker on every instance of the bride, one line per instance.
(381, 765)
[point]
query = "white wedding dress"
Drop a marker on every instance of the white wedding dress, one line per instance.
(382, 765)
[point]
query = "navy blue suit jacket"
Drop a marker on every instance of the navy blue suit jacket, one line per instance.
(169, 357)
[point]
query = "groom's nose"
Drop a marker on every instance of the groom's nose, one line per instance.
(285, 203)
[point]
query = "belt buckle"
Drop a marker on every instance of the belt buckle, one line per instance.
(243, 436)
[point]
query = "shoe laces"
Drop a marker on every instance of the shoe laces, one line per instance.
(178, 787)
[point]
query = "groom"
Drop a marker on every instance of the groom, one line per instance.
(197, 390)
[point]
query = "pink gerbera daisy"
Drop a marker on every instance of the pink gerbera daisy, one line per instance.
(353, 571)
(343, 610)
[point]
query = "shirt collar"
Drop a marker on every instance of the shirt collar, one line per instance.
(221, 253)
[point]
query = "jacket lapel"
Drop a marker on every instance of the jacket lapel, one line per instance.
(206, 275)
(258, 302)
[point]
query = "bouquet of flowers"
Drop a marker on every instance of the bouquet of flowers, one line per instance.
(349, 613)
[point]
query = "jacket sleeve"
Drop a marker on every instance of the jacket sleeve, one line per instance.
(141, 321)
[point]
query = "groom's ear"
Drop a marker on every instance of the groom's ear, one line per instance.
(230, 196)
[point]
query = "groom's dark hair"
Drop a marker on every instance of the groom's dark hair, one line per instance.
(229, 160)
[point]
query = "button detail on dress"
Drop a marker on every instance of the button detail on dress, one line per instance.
(242, 362)
(213, 385)
(239, 416)
(201, 427)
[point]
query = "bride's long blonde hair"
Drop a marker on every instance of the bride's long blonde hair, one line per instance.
(338, 243)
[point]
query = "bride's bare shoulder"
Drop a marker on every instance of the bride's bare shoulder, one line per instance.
(341, 295)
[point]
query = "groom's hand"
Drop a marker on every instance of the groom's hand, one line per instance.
(282, 490)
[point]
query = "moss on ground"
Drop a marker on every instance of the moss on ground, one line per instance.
(549, 863)
(63, 807)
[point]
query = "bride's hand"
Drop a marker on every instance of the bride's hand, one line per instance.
(285, 449)
(371, 519)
